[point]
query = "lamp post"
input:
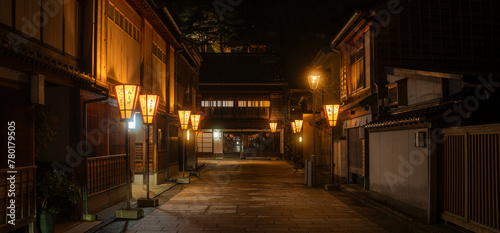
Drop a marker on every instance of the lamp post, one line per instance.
(332, 114)
(294, 130)
(313, 83)
(298, 127)
(126, 98)
(184, 121)
(273, 126)
(195, 123)
(149, 107)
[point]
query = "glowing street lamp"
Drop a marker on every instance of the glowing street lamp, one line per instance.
(298, 125)
(332, 114)
(294, 128)
(184, 121)
(195, 121)
(313, 83)
(184, 118)
(273, 126)
(149, 107)
(126, 97)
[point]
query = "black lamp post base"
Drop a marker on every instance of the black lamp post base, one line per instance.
(147, 202)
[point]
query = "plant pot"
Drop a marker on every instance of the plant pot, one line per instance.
(47, 222)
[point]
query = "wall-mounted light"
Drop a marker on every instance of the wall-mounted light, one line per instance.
(294, 127)
(420, 138)
(187, 135)
(217, 134)
(131, 124)
(300, 139)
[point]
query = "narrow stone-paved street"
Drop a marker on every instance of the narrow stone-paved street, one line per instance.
(257, 196)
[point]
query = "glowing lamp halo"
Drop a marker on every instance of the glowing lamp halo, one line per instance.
(126, 98)
(294, 128)
(331, 114)
(195, 121)
(184, 118)
(298, 125)
(313, 81)
(149, 107)
(273, 126)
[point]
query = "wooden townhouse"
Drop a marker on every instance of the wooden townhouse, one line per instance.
(410, 72)
(240, 94)
(64, 67)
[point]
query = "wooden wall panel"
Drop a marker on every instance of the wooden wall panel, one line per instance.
(53, 26)
(123, 54)
(6, 12)
(26, 22)
(71, 28)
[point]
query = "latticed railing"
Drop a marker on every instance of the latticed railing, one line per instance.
(106, 173)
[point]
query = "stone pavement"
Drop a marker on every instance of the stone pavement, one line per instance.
(256, 196)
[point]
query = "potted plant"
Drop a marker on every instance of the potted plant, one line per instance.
(55, 187)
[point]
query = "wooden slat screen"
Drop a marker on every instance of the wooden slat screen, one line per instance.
(454, 175)
(484, 179)
(471, 180)
(106, 173)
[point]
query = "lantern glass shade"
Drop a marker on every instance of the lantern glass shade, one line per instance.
(126, 97)
(184, 118)
(298, 125)
(313, 81)
(195, 121)
(273, 126)
(294, 128)
(332, 114)
(149, 107)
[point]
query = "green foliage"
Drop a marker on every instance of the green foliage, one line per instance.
(53, 186)
(45, 127)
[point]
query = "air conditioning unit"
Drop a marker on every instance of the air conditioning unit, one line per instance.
(398, 93)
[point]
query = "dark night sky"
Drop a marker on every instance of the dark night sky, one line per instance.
(295, 29)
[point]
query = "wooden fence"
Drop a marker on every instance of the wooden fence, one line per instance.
(471, 178)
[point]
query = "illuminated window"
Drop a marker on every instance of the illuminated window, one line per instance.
(227, 103)
(205, 103)
(242, 103)
(265, 103)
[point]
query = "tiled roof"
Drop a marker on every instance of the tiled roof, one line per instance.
(410, 117)
(240, 68)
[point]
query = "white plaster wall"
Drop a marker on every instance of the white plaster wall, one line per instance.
(398, 169)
